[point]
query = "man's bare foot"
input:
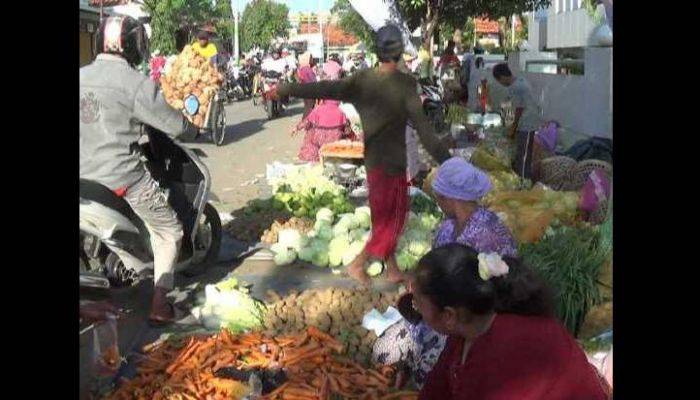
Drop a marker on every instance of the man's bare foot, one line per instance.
(357, 272)
(395, 275)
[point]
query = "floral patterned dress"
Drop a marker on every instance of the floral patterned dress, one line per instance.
(419, 346)
(326, 123)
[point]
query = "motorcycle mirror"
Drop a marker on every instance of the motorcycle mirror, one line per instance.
(191, 105)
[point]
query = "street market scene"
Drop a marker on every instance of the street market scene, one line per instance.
(346, 199)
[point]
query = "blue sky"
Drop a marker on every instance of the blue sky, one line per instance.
(298, 5)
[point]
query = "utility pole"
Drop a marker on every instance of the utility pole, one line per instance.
(236, 49)
(320, 30)
(512, 31)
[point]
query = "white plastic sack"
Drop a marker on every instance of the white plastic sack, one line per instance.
(380, 13)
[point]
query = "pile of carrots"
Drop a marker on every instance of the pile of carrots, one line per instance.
(312, 361)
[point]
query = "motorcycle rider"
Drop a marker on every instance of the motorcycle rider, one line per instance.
(202, 46)
(275, 62)
(114, 100)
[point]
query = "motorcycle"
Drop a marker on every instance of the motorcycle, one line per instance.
(232, 87)
(270, 80)
(107, 221)
(237, 85)
(433, 106)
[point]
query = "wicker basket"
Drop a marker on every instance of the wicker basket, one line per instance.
(555, 172)
(583, 170)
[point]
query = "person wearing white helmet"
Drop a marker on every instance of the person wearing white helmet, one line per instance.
(115, 99)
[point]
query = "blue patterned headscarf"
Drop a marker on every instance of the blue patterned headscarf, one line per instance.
(460, 180)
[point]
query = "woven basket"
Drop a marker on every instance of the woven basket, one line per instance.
(580, 173)
(555, 172)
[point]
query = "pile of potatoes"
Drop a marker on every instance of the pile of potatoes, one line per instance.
(191, 74)
(336, 311)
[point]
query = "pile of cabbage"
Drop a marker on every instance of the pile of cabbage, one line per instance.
(304, 190)
(337, 239)
(229, 305)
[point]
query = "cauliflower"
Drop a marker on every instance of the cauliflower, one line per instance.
(320, 259)
(324, 214)
(307, 254)
(375, 268)
(290, 238)
(363, 219)
(419, 248)
(285, 257)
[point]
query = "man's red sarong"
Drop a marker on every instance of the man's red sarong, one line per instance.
(389, 205)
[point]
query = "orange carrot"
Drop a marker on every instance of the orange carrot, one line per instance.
(397, 395)
(311, 354)
(334, 383)
(378, 376)
(331, 342)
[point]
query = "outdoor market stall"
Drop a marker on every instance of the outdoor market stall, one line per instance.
(317, 343)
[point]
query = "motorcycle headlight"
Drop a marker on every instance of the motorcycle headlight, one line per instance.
(191, 105)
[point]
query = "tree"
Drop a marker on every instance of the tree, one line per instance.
(224, 20)
(169, 16)
(261, 22)
(351, 21)
(164, 24)
(454, 13)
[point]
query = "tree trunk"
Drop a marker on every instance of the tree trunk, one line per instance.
(429, 26)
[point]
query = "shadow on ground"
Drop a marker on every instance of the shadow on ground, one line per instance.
(240, 131)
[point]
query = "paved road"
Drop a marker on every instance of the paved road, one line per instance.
(252, 141)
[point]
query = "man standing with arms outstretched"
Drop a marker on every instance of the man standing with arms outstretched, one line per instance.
(386, 99)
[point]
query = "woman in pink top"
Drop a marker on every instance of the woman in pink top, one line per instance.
(306, 74)
(326, 123)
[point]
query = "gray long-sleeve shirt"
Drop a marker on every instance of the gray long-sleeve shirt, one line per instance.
(114, 100)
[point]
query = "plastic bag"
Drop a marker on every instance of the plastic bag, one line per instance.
(483, 159)
(106, 356)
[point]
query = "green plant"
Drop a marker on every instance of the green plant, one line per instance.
(569, 259)
(591, 7)
(261, 22)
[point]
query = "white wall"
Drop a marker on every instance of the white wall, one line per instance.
(569, 27)
(580, 103)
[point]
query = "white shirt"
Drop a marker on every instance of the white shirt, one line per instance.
(270, 64)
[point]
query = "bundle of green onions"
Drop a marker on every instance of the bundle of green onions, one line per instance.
(569, 259)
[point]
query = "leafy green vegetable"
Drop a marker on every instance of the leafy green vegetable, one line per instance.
(569, 259)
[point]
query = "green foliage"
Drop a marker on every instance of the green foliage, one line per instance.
(569, 259)
(164, 24)
(261, 22)
(169, 16)
(224, 24)
(591, 7)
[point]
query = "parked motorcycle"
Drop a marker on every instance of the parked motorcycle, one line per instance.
(237, 85)
(107, 220)
(433, 105)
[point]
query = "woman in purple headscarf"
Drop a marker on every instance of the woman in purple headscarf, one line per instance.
(458, 186)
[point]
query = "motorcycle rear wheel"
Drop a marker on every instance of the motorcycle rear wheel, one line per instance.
(208, 240)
